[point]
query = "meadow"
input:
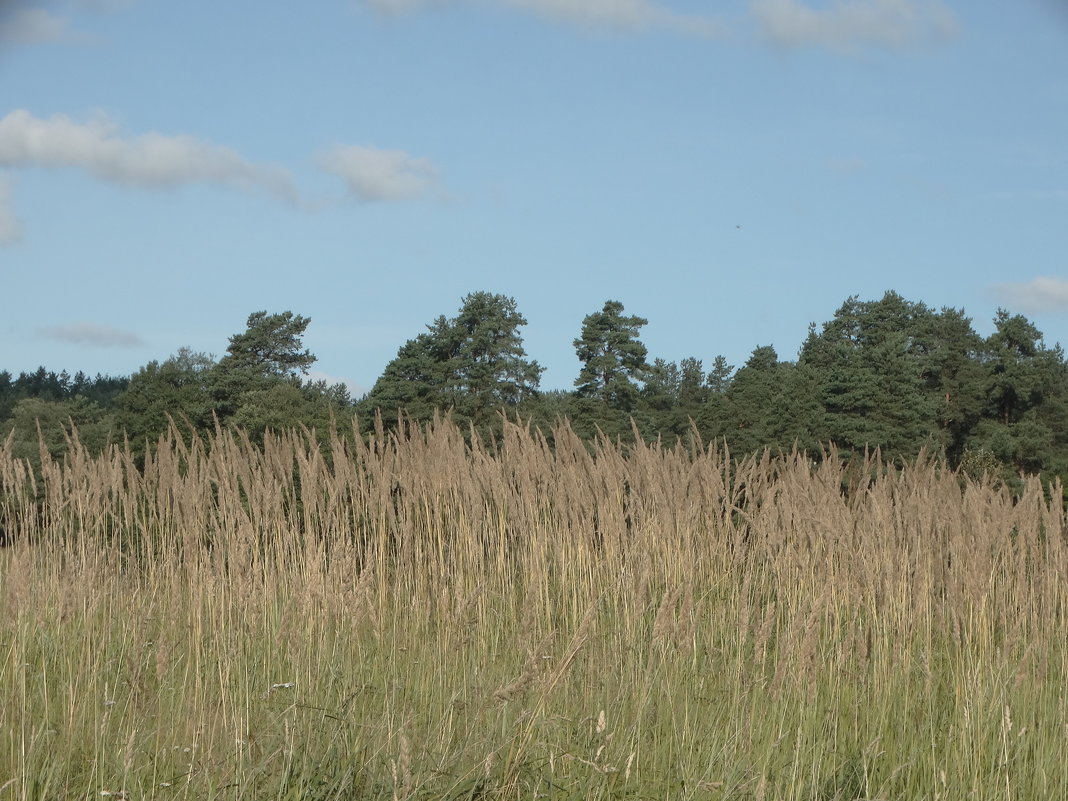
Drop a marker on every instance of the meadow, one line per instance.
(413, 616)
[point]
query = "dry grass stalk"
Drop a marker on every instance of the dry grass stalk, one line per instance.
(413, 568)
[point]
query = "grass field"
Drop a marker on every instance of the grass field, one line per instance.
(416, 618)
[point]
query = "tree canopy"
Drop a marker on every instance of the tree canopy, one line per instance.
(472, 364)
(271, 345)
(890, 373)
(613, 357)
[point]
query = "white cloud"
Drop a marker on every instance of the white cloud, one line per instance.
(372, 174)
(148, 160)
(620, 14)
(10, 231)
(93, 334)
(32, 26)
(849, 24)
(1042, 294)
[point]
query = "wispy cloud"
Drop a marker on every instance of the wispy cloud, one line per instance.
(847, 25)
(372, 174)
(29, 22)
(160, 161)
(618, 14)
(10, 231)
(148, 160)
(27, 25)
(93, 335)
(1042, 294)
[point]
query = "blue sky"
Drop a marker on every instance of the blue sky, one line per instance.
(731, 171)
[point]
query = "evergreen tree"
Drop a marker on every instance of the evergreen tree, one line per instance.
(949, 354)
(414, 382)
(488, 368)
(712, 415)
(8, 398)
(770, 404)
(660, 392)
(613, 358)
(271, 345)
(673, 398)
(752, 401)
(1020, 367)
(473, 364)
(879, 384)
(1026, 391)
(720, 376)
(269, 351)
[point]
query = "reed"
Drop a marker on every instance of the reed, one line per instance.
(417, 616)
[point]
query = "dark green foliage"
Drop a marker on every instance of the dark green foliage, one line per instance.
(270, 346)
(414, 382)
(177, 389)
(592, 417)
(46, 385)
(895, 375)
(951, 371)
(1025, 389)
(890, 374)
(770, 403)
(488, 368)
(613, 358)
(257, 386)
(1022, 370)
(473, 365)
(270, 351)
(41, 410)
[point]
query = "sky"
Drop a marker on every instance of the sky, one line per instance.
(730, 171)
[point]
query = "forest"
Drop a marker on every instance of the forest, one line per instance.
(888, 374)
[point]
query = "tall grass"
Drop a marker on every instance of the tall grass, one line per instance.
(416, 617)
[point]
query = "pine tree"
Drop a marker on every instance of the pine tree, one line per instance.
(472, 364)
(613, 358)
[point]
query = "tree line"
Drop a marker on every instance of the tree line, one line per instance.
(891, 374)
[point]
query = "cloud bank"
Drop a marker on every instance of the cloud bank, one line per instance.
(1042, 294)
(619, 14)
(851, 24)
(377, 175)
(149, 160)
(94, 335)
